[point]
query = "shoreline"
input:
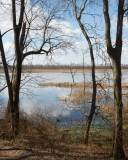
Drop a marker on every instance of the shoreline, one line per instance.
(62, 70)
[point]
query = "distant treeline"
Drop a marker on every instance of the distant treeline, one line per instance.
(66, 67)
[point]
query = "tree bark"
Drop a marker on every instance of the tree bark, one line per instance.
(10, 117)
(12, 120)
(12, 112)
(93, 105)
(115, 55)
(118, 152)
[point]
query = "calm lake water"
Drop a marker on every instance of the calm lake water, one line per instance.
(33, 97)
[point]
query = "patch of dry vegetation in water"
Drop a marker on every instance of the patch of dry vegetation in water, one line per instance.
(73, 84)
(64, 84)
(79, 85)
(77, 96)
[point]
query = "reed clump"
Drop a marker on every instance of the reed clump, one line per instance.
(78, 96)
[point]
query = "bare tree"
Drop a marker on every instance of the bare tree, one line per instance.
(114, 52)
(79, 11)
(35, 31)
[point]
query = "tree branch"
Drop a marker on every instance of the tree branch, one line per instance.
(125, 10)
(119, 24)
(22, 38)
(82, 9)
(107, 24)
(22, 7)
(6, 70)
(35, 52)
(6, 32)
(3, 88)
(14, 13)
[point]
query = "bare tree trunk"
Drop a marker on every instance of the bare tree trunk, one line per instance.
(12, 112)
(118, 152)
(93, 105)
(115, 55)
(12, 119)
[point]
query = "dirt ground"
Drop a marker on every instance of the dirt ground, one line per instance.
(18, 151)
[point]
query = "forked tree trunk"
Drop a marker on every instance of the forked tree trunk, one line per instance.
(12, 112)
(118, 152)
(115, 55)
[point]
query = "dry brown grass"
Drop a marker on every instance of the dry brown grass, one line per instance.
(78, 96)
(66, 84)
(18, 150)
(40, 138)
(63, 70)
(125, 85)
(80, 85)
(64, 152)
(109, 109)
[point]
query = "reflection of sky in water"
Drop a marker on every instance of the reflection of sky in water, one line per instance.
(63, 77)
(3, 97)
(47, 98)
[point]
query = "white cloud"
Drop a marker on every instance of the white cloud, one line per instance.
(125, 22)
(7, 46)
(114, 22)
(125, 51)
(65, 27)
(5, 16)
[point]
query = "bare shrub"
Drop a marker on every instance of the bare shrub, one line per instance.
(35, 131)
(39, 130)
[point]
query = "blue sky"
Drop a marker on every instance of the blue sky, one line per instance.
(68, 25)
